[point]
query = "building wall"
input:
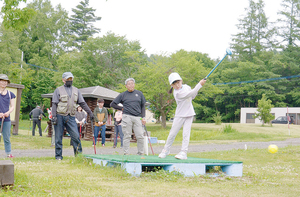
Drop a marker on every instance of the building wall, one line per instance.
(150, 116)
(277, 111)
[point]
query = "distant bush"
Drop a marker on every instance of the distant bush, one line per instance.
(217, 118)
(228, 129)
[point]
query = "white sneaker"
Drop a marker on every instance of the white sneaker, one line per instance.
(181, 155)
(163, 154)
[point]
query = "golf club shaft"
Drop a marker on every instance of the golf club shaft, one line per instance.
(149, 139)
(2, 127)
(215, 67)
(80, 133)
(93, 137)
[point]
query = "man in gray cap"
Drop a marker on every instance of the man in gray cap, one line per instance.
(36, 119)
(133, 102)
(64, 102)
(7, 105)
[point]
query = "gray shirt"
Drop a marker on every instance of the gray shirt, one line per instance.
(35, 113)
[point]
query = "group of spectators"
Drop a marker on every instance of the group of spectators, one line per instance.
(69, 111)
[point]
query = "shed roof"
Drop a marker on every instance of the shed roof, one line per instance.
(93, 92)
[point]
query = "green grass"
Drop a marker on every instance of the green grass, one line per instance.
(264, 174)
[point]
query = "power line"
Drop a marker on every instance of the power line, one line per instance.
(260, 80)
(42, 67)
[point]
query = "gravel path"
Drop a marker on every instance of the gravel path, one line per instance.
(157, 148)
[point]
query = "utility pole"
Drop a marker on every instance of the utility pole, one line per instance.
(21, 67)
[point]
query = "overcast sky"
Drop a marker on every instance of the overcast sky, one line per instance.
(167, 26)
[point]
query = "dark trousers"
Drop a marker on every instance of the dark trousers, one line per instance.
(69, 123)
(38, 123)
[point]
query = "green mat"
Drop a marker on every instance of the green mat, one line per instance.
(155, 159)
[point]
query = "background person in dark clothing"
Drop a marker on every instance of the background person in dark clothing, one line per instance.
(64, 101)
(36, 119)
(133, 110)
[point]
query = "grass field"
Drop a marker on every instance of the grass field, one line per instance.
(264, 174)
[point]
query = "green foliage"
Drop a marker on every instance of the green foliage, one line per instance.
(288, 22)
(217, 118)
(81, 23)
(228, 129)
(264, 109)
(15, 17)
(255, 35)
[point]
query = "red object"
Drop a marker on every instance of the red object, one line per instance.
(94, 144)
(80, 132)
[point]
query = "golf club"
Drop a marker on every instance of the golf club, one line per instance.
(80, 132)
(93, 137)
(1, 127)
(149, 139)
(228, 52)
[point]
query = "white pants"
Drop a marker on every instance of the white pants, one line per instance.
(177, 124)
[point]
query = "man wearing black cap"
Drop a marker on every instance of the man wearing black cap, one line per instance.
(64, 102)
(36, 119)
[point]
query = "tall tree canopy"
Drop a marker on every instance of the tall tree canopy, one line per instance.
(82, 23)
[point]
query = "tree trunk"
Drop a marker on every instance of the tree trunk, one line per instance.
(163, 120)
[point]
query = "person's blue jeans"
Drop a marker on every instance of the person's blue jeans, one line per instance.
(6, 136)
(71, 126)
(96, 132)
(118, 130)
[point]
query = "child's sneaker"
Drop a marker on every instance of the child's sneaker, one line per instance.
(163, 154)
(10, 156)
(181, 155)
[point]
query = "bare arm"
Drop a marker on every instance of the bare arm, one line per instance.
(12, 107)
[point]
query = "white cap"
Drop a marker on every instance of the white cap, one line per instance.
(174, 77)
(120, 105)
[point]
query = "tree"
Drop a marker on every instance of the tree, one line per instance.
(289, 28)
(255, 35)
(46, 34)
(81, 23)
(15, 17)
(105, 61)
(264, 108)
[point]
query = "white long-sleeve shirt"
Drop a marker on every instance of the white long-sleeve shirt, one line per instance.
(183, 98)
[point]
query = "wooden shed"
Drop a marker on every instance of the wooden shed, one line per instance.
(15, 115)
(91, 95)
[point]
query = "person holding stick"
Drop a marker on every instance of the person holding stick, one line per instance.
(184, 114)
(7, 105)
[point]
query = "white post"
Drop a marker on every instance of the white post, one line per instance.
(288, 119)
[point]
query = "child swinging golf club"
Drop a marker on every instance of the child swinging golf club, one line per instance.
(184, 114)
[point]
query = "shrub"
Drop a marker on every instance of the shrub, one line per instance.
(228, 129)
(217, 118)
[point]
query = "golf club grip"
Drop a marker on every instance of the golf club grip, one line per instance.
(215, 67)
